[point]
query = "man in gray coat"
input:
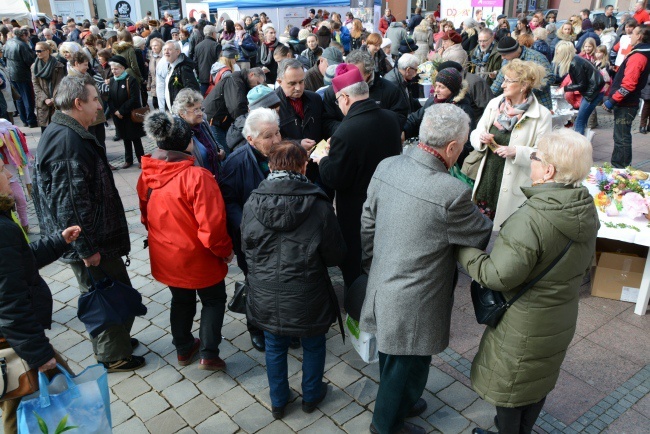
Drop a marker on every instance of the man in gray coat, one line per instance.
(411, 267)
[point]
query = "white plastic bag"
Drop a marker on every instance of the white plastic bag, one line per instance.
(364, 343)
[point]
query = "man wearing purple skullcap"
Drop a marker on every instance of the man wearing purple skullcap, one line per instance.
(367, 135)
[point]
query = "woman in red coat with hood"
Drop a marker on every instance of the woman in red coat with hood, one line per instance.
(189, 247)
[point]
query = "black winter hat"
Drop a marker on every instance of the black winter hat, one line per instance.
(171, 133)
(507, 45)
(450, 64)
(451, 78)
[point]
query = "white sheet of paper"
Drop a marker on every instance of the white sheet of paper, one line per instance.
(630, 294)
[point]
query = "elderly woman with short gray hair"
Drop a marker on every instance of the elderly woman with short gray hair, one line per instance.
(242, 173)
(518, 361)
(265, 59)
(206, 150)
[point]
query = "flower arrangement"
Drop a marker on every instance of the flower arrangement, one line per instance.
(622, 191)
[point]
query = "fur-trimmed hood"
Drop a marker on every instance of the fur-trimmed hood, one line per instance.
(121, 47)
(561, 36)
(6, 203)
(462, 93)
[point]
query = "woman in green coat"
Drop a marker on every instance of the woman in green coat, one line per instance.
(518, 362)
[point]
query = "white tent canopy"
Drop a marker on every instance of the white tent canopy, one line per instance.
(15, 10)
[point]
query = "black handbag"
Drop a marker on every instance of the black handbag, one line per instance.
(237, 303)
(108, 303)
(490, 306)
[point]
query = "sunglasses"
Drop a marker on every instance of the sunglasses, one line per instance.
(39, 51)
(533, 156)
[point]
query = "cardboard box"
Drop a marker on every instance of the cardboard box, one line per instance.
(618, 276)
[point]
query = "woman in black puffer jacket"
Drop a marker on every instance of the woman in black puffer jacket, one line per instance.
(25, 299)
(290, 236)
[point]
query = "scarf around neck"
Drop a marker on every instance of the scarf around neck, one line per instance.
(509, 115)
(281, 175)
(44, 70)
(121, 77)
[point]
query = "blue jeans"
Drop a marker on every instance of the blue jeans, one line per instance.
(586, 109)
(26, 105)
(313, 366)
(204, 87)
(220, 135)
(623, 118)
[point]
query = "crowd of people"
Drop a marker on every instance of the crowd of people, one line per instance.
(284, 149)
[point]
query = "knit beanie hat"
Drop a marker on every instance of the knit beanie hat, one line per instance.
(302, 35)
(333, 55)
(262, 96)
(507, 44)
(170, 132)
(450, 64)
(294, 32)
(330, 73)
(451, 78)
(229, 51)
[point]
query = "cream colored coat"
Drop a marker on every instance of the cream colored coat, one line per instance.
(533, 124)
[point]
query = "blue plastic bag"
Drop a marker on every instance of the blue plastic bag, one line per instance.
(81, 403)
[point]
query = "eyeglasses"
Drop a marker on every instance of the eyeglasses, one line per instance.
(533, 156)
(39, 51)
(337, 98)
(197, 111)
(509, 81)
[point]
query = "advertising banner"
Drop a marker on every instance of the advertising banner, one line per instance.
(196, 9)
(124, 8)
(458, 11)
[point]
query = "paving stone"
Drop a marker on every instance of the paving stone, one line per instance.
(131, 426)
(234, 400)
(194, 374)
(238, 364)
(458, 396)
(363, 391)
(322, 426)
(342, 375)
(163, 378)
(359, 424)
(79, 352)
(66, 340)
(131, 388)
(254, 380)
(336, 346)
(437, 380)
(197, 410)
(243, 342)
(233, 329)
(168, 422)
(298, 419)
(433, 404)
(346, 413)
(148, 405)
(120, 412)
(154, 363)
(116, 377)
(179, 393)
(219, 423)
(217, 384)
(448, 420)
(276, 427)
(253, 418)
(162, 346)
(481, 413)
(335, 400)
(64, 315)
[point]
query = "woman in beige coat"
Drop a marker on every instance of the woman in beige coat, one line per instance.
(507, 133)
(451, 48)
(47, 73)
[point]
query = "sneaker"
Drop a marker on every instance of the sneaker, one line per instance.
(129, 364)
(212, 364)
(309, 407)
(188, 358)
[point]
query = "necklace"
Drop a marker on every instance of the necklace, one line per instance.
(433, 152)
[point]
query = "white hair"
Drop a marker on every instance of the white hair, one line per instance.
(442, 124)
(257, 119)
(408, 61)
(540, 33)
(356, 90)
(175, 44)
(69, 47)
(209, 30)
(569, 152)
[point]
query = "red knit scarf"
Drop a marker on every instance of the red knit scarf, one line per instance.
(430, 150)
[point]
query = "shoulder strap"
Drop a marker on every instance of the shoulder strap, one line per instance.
(128, 93)
(539, 276)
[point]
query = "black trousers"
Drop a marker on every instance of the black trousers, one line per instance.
(99, 131)
(518, 420)
(128, 149)
(183, 309)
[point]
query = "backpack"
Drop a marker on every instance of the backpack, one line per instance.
(217, 78)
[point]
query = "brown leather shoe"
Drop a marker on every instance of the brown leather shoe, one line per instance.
(186, 359)
(212, 364)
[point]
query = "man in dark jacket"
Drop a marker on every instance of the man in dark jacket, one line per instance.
(20, 57)
(167, 26)
(415, 20)
(74, 186)
(205, 54)
(402, 75)
(625, 92)
(384, 93)
(180, 72)
(593, 32)
(155, 32)
(367, 135)
(227, 100)
(197, 36)
(315, 76)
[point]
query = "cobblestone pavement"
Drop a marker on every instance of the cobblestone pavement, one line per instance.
(604, 384)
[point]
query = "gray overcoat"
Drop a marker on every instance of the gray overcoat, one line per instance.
(414, 216)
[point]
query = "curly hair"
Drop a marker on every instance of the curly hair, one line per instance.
(530, 74)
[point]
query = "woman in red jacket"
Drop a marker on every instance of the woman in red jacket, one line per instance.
(189, 247)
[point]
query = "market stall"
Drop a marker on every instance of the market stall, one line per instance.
(622, 197)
